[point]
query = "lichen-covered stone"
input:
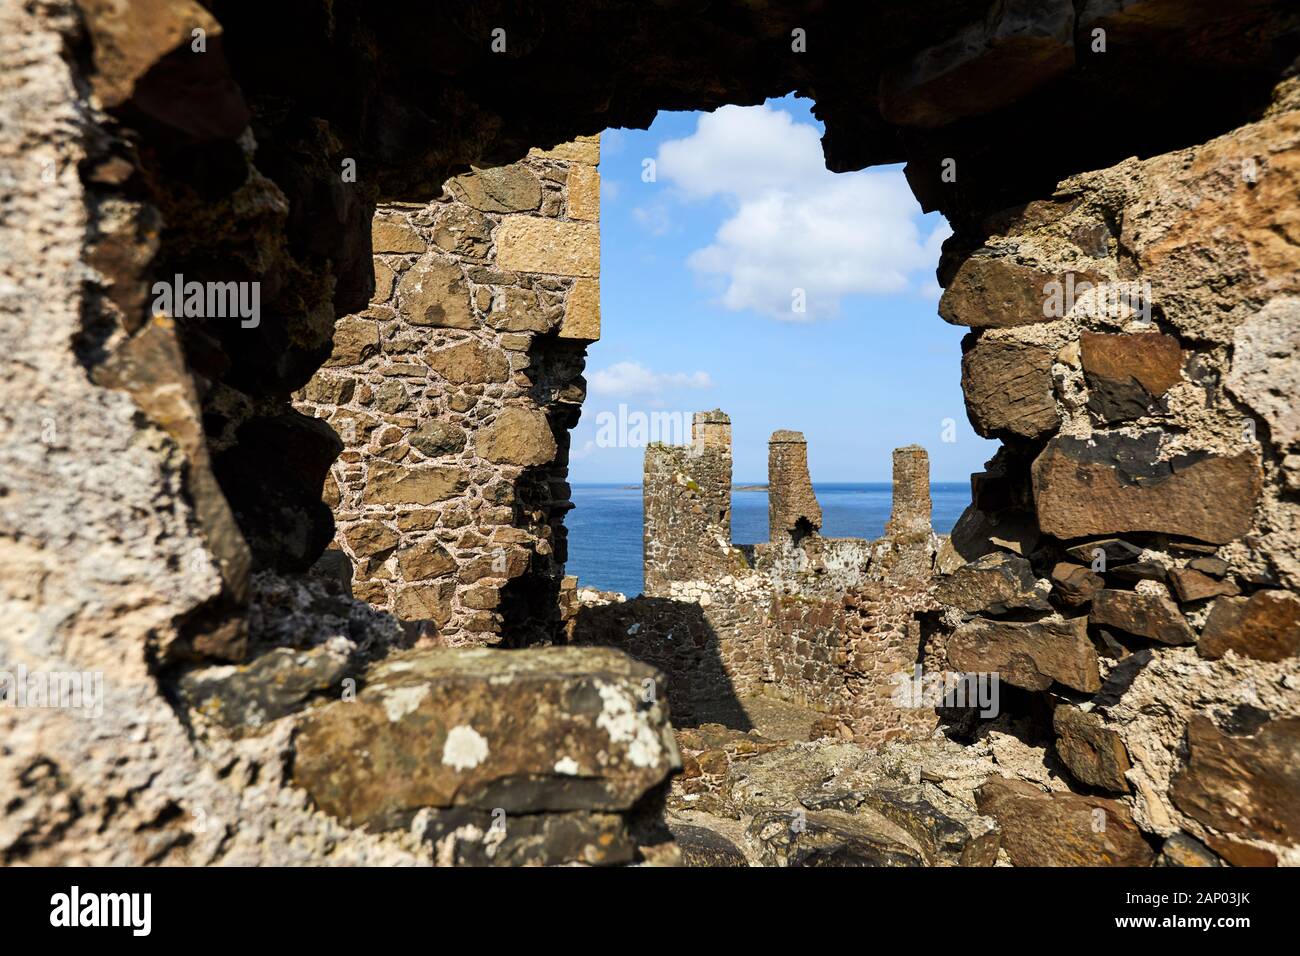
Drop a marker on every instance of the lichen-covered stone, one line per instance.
(529, 731)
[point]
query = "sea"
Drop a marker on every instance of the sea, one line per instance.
(605, 532)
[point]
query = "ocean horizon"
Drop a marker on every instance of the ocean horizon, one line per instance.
(605, 525)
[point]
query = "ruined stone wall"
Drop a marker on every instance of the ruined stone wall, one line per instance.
(1132, 548)
(454, 392)
(825, 623)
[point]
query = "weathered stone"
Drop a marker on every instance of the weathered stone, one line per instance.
(1264, 626)
(385, 279)
(943, 839)
(1214, 567)
(391, 484)
(469, 362)
(438, 438)
(1243, 785)
(395, 235)
(268, 687)
(499, 189)
(1181, 850)
(329, 389)
(426, 602)
(1008, 388)
(584, 193)
(521, 312)
(529, 731)
(1115, 484)
(582, 311)
(371, 539)
(582, 149)
(1126, 374)
(1062, 829)
(464, 836)
(355, 340)
(518, 436)
(1028, 654)
(1265, 371)
(426, 560)
(986, 66)
(701, 846)
(463, 231)
(990, 292)
(1191, 585)
(434, 292)
(1094, 753)
(1142, 613)
(1075, 584)
(1113, 551)
(392, 397)
(536, 244)
(997, 583)
(829, 838)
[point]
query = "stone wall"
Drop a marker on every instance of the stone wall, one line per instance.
(1132, 337)
(454, 393)
(828, 624)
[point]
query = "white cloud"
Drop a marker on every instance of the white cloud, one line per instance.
(627, 379)
(796, 230)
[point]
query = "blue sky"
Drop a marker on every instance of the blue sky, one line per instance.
(746, 277)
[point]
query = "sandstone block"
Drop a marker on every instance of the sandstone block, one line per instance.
(424, 560)
(434, 292)
(582, 311)
(1075, 584)
(1192, 585)
(1028, 654)
(1264, 626)
(1094, 753)
(540, 730)
(535, 244)
(518, 436)
(1126, 374)
(1008, 388)
(395, 235)
(355, 340)
(1062, 829)
(469, 363)
(371, 539)
(511, 188)
(993, 584)
(393, 484)
(435, 438)
(1244, 785)
(1115, 484)
(1142, 613)
(998, 292)
(426, 602)
(584, 193)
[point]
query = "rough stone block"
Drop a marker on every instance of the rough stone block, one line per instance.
(535, 244)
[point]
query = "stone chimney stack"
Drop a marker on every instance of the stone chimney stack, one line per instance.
(712, 430)
(792, 508)
(910, 518)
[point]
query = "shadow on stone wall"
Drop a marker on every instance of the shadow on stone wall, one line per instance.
(675, 637)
